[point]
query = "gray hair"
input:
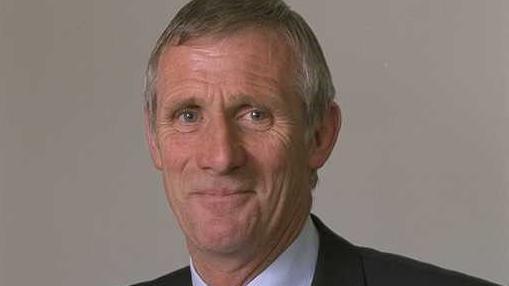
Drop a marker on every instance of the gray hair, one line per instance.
(212, 17)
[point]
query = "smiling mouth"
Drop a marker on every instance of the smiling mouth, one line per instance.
(221, 200)
(221, 193)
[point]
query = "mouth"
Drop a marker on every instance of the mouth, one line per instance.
(221, 201)
(219, 193)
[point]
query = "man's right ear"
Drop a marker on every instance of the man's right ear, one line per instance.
(152, 142)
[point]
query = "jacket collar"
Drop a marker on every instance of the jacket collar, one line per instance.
(339, 262)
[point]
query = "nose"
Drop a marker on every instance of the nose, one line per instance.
(221, 151)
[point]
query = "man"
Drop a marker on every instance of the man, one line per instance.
(239, 118)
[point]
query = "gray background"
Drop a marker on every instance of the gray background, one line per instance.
(421, 168)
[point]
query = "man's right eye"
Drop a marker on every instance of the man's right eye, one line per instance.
(188, 116)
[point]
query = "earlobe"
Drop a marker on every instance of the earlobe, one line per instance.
(325, 136)
(153, 145)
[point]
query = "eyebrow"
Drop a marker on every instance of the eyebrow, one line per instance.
(171, 105)
(245, 99)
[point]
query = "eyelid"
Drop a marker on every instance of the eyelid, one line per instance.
(263, 124)
(245, 109)
(181, 109)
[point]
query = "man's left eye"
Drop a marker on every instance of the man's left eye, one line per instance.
(257, 115)
(256, 119)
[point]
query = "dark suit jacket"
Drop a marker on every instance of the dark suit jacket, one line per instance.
(343, 264)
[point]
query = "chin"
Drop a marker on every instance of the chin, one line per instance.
(222, 235)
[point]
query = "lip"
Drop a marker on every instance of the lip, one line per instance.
(220, 192)
(218, 202)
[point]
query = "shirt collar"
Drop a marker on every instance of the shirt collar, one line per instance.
(295, 266)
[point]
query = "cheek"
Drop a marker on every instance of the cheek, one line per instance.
(280, 161)
(176, 149)
(281, 180)
(176, 154)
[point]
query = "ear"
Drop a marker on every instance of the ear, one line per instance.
(325, 135)
(152, 142)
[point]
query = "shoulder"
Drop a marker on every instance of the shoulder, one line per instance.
(342, 263)
(389, 269)
(180, 277)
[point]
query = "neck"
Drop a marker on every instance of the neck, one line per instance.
(238, 269)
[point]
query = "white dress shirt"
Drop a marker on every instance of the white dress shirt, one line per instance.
(295, 266)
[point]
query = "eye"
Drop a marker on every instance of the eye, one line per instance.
(187, 119)
(256, 118)
(189, 116)
(257, 115)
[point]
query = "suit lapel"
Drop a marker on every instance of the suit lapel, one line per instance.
(339, 262)
(181, 277)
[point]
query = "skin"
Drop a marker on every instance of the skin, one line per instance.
(230, 144)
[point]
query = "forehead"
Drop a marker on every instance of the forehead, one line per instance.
(248, 51)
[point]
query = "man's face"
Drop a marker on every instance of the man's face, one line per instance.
(230, 140)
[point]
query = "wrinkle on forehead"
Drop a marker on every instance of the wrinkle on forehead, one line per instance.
(267, 47)
(251, 36)
(256, 56)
